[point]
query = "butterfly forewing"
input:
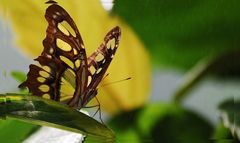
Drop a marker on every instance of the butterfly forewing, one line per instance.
(64, 61)
(63, 51)
(99, 61)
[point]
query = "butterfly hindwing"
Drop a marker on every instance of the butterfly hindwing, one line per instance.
(47, 75)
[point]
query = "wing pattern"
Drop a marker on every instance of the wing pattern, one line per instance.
(63, 52)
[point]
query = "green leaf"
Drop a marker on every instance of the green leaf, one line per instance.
(13, 131)
(41, 111)
(167, 123)
(230, 114)
(18, 76)
(223, 135)
(180, 33)
(124, 125)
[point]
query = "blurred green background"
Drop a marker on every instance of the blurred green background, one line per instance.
(195, 59)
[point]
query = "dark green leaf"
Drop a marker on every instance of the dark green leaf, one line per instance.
(50, 113)
(180, 33)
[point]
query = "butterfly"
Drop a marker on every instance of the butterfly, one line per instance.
(64, 59)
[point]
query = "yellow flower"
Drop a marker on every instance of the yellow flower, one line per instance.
(131, 60)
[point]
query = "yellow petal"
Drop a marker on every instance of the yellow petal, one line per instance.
(131, 59)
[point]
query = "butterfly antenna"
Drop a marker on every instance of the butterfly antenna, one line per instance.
(110, 83)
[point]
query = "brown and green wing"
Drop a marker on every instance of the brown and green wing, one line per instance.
(63, 51)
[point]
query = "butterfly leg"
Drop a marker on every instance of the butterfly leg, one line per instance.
(98, 110)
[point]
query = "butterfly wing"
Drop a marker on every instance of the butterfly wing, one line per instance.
(63, 51)
(99, 61)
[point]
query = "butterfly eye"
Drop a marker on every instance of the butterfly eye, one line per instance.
(111, 44)
(44, 88)
(67, 61)
(63, 45)
(66, 28)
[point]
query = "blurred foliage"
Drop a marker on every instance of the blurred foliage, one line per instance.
(225, 65)
(13, 131)
(18, 76)
(230, 113)
(166, 123)
(223, 135)
(180, 33)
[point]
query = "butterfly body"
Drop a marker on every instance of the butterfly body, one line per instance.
(64, 58)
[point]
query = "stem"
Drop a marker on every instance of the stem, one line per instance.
(192, 78)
